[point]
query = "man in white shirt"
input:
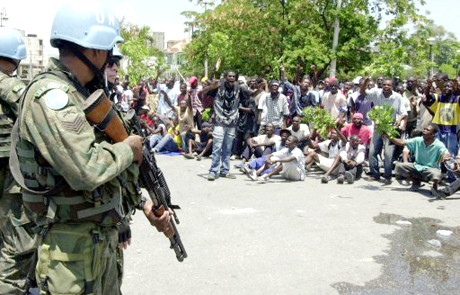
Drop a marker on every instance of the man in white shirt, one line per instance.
(381, 96)
(301, 131)
(173, 92)
(335, 102)
(126, 98)
(275, 109)
(262, 145)
(326, 152)
(351, 159)
(289, 162)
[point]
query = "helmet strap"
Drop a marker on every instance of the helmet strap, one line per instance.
(98, 80)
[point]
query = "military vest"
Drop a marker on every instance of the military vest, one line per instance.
(10, 90)
(47, 193)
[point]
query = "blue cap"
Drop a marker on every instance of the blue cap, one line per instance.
(116, 52)
(11, 44)
(88, 24)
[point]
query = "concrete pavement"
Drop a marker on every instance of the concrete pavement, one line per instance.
(244, 237)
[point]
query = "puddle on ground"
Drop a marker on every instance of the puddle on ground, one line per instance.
(412, 265)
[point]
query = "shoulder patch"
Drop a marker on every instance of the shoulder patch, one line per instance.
(49, 86)
(56, 99)
(18, 88)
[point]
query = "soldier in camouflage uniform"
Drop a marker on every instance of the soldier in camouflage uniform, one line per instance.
(79, 183)
(15, 226)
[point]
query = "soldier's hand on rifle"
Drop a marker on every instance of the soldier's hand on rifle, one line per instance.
(136, 143)
(162, 223)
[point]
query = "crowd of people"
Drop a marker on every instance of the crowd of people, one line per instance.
(68, 187)
(262, 124)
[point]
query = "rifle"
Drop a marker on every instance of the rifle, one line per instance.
(100, 112)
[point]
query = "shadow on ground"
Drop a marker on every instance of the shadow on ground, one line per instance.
(413, 265)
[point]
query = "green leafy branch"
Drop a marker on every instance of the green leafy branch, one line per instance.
(319, 119)
(383, 119)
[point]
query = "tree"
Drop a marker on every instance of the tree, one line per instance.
(266, 33)
(143, 58)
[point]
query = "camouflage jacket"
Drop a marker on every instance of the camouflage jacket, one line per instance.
(10, 90)
(57, 144)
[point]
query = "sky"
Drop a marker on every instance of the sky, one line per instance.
(36, 16)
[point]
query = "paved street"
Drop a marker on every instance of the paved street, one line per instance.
(243, 237)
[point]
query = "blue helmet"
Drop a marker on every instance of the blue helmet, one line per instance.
(88, 24)
(12, 45)
(116, 52)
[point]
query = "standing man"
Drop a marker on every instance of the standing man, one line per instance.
(302, 95)
(276, 109)
(227, 96)
(71, 171)
(172, 92)
(197, 106)
(16, 256)
(412, 95)
(446, 110)
(378, 96)
(334, 101)
(259, 95)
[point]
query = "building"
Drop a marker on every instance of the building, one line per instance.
(159, 38)
(175, 53)
(35, 61)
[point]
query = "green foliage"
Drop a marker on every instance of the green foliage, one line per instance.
(207, 114)
(251, 35)
(383, 118)
(399, 53)
(449, 70)
(319, 119)
(143, 59)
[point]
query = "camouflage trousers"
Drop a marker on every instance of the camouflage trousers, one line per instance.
(18, 239)
(78, 259)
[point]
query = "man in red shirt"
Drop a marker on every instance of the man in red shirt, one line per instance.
(146, 116)
(357, 127)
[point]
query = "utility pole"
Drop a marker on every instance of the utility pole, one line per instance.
(335, 41)
(206, 58)
(431, 41)
(3, 16)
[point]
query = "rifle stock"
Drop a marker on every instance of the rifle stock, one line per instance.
(151, 175)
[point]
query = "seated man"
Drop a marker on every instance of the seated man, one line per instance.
(189, 141)
(428, 152)
(357, 127)
(328, 151)
(301, 131)
(289, 162)
(351, 159)
(172, 141)
(262, 144)
(156, 131)
(203, 148)
(250, 168)
(452, 188)
(146, 116)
